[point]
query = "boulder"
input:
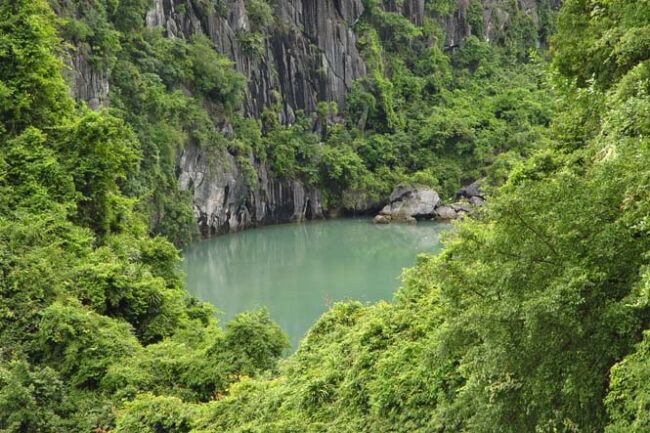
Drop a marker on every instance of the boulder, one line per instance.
(403, 219)
(461, 207)
(476, 201)
(407, 201)
(446, 213)
(382, 219)
(471, 190)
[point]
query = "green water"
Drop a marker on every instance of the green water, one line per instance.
(298, 270)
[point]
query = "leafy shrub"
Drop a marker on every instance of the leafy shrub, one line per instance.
(214, 74)
(153, 414)
(260, 13)
(252, 343)
(30, 399)
(82, 344)
(251, 43)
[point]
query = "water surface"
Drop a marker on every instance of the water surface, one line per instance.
(298, 270)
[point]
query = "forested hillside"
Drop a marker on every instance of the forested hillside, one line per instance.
(534, 318)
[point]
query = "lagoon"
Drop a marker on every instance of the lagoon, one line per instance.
(297, 271)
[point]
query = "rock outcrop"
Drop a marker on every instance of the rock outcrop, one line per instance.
(224, 202)
(309, 52)
(89, 83)
(408, 204)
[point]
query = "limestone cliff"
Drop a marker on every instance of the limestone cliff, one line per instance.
(224, 201)
(306, 55)
(309, 52)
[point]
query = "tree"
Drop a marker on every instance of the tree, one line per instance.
(32, 90)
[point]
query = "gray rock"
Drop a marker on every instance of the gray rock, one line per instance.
(446, 213)
(471, 190)
(461, 207)
(409, 202)
(476, 201)
(403, 219)
(86, 82)
(223, 201)
(382, 219)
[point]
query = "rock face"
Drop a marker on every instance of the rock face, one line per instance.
(407, 204)
(224, 202)
(308, 54)
(90, 84)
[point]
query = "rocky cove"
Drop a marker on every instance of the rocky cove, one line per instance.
(224, 202)
(313, 58)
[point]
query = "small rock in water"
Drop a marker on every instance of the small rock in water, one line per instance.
(404, 218)
(382, 219)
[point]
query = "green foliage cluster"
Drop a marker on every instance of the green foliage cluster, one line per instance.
(260, 13)
(426, 114)
(92, 309)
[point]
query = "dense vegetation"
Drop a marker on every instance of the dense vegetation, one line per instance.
(93, 310)
(535, 318)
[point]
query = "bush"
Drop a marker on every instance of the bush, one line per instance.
(214, 75)
(152, 414)
(30, 399)
(252, 343)
(260, 13)
(82, 344)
